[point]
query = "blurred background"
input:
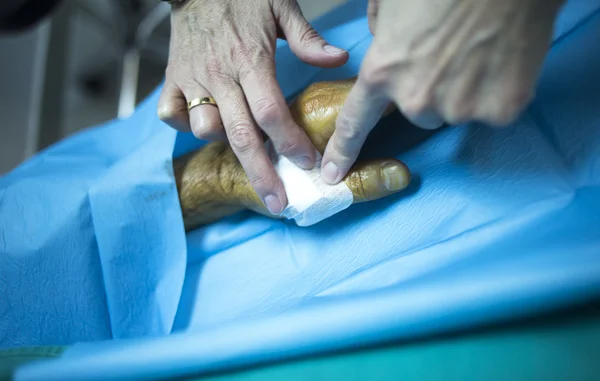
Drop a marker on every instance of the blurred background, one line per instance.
(88, 62)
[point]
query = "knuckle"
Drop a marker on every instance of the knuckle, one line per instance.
(167, 107)
(345, 157)
(498, 117)
(459, 112)
(416, 105)
(372, 73)
(347, 144)
(245, 50)
(206, 131)
(263, 180)
(245, 69)
(287, 146)
(517, 101)
(454, 118)
(165, 112)
(267, 112)
(213, 65)
(168, 110)
(259, 65)
(520, 97)
(240, 54)
(250, 51)
(309, 35)
(508, 116)
(260, 181)
(348, 130)
(510, 109)
(241, 137)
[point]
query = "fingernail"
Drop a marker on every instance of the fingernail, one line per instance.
(394, 177)
(273, 204)
(330, 173)
(333, 50)
(305, 162)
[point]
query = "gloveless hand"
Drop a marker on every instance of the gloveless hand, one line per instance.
(225, 49)
(442, 61)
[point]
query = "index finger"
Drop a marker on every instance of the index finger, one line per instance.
(361, 111)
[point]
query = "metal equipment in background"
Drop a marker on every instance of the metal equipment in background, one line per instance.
(132, 27)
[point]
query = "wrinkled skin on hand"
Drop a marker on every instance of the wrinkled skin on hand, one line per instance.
(444, 61)
(225, 49)
(212, 183)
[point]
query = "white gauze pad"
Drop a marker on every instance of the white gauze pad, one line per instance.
(310, 199)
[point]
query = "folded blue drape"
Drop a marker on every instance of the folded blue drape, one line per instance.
(498, 223)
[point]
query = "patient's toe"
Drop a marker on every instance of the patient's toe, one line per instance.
(376, 179)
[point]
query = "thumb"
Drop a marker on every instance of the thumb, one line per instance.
(305, 42)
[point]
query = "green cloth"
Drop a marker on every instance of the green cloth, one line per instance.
(11, 359)
(563, 346)
(560, 348)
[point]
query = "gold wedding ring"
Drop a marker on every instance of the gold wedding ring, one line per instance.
(201, 101)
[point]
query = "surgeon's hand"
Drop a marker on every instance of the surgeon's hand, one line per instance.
(212, 183)
(225, 49)
(442, 61)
